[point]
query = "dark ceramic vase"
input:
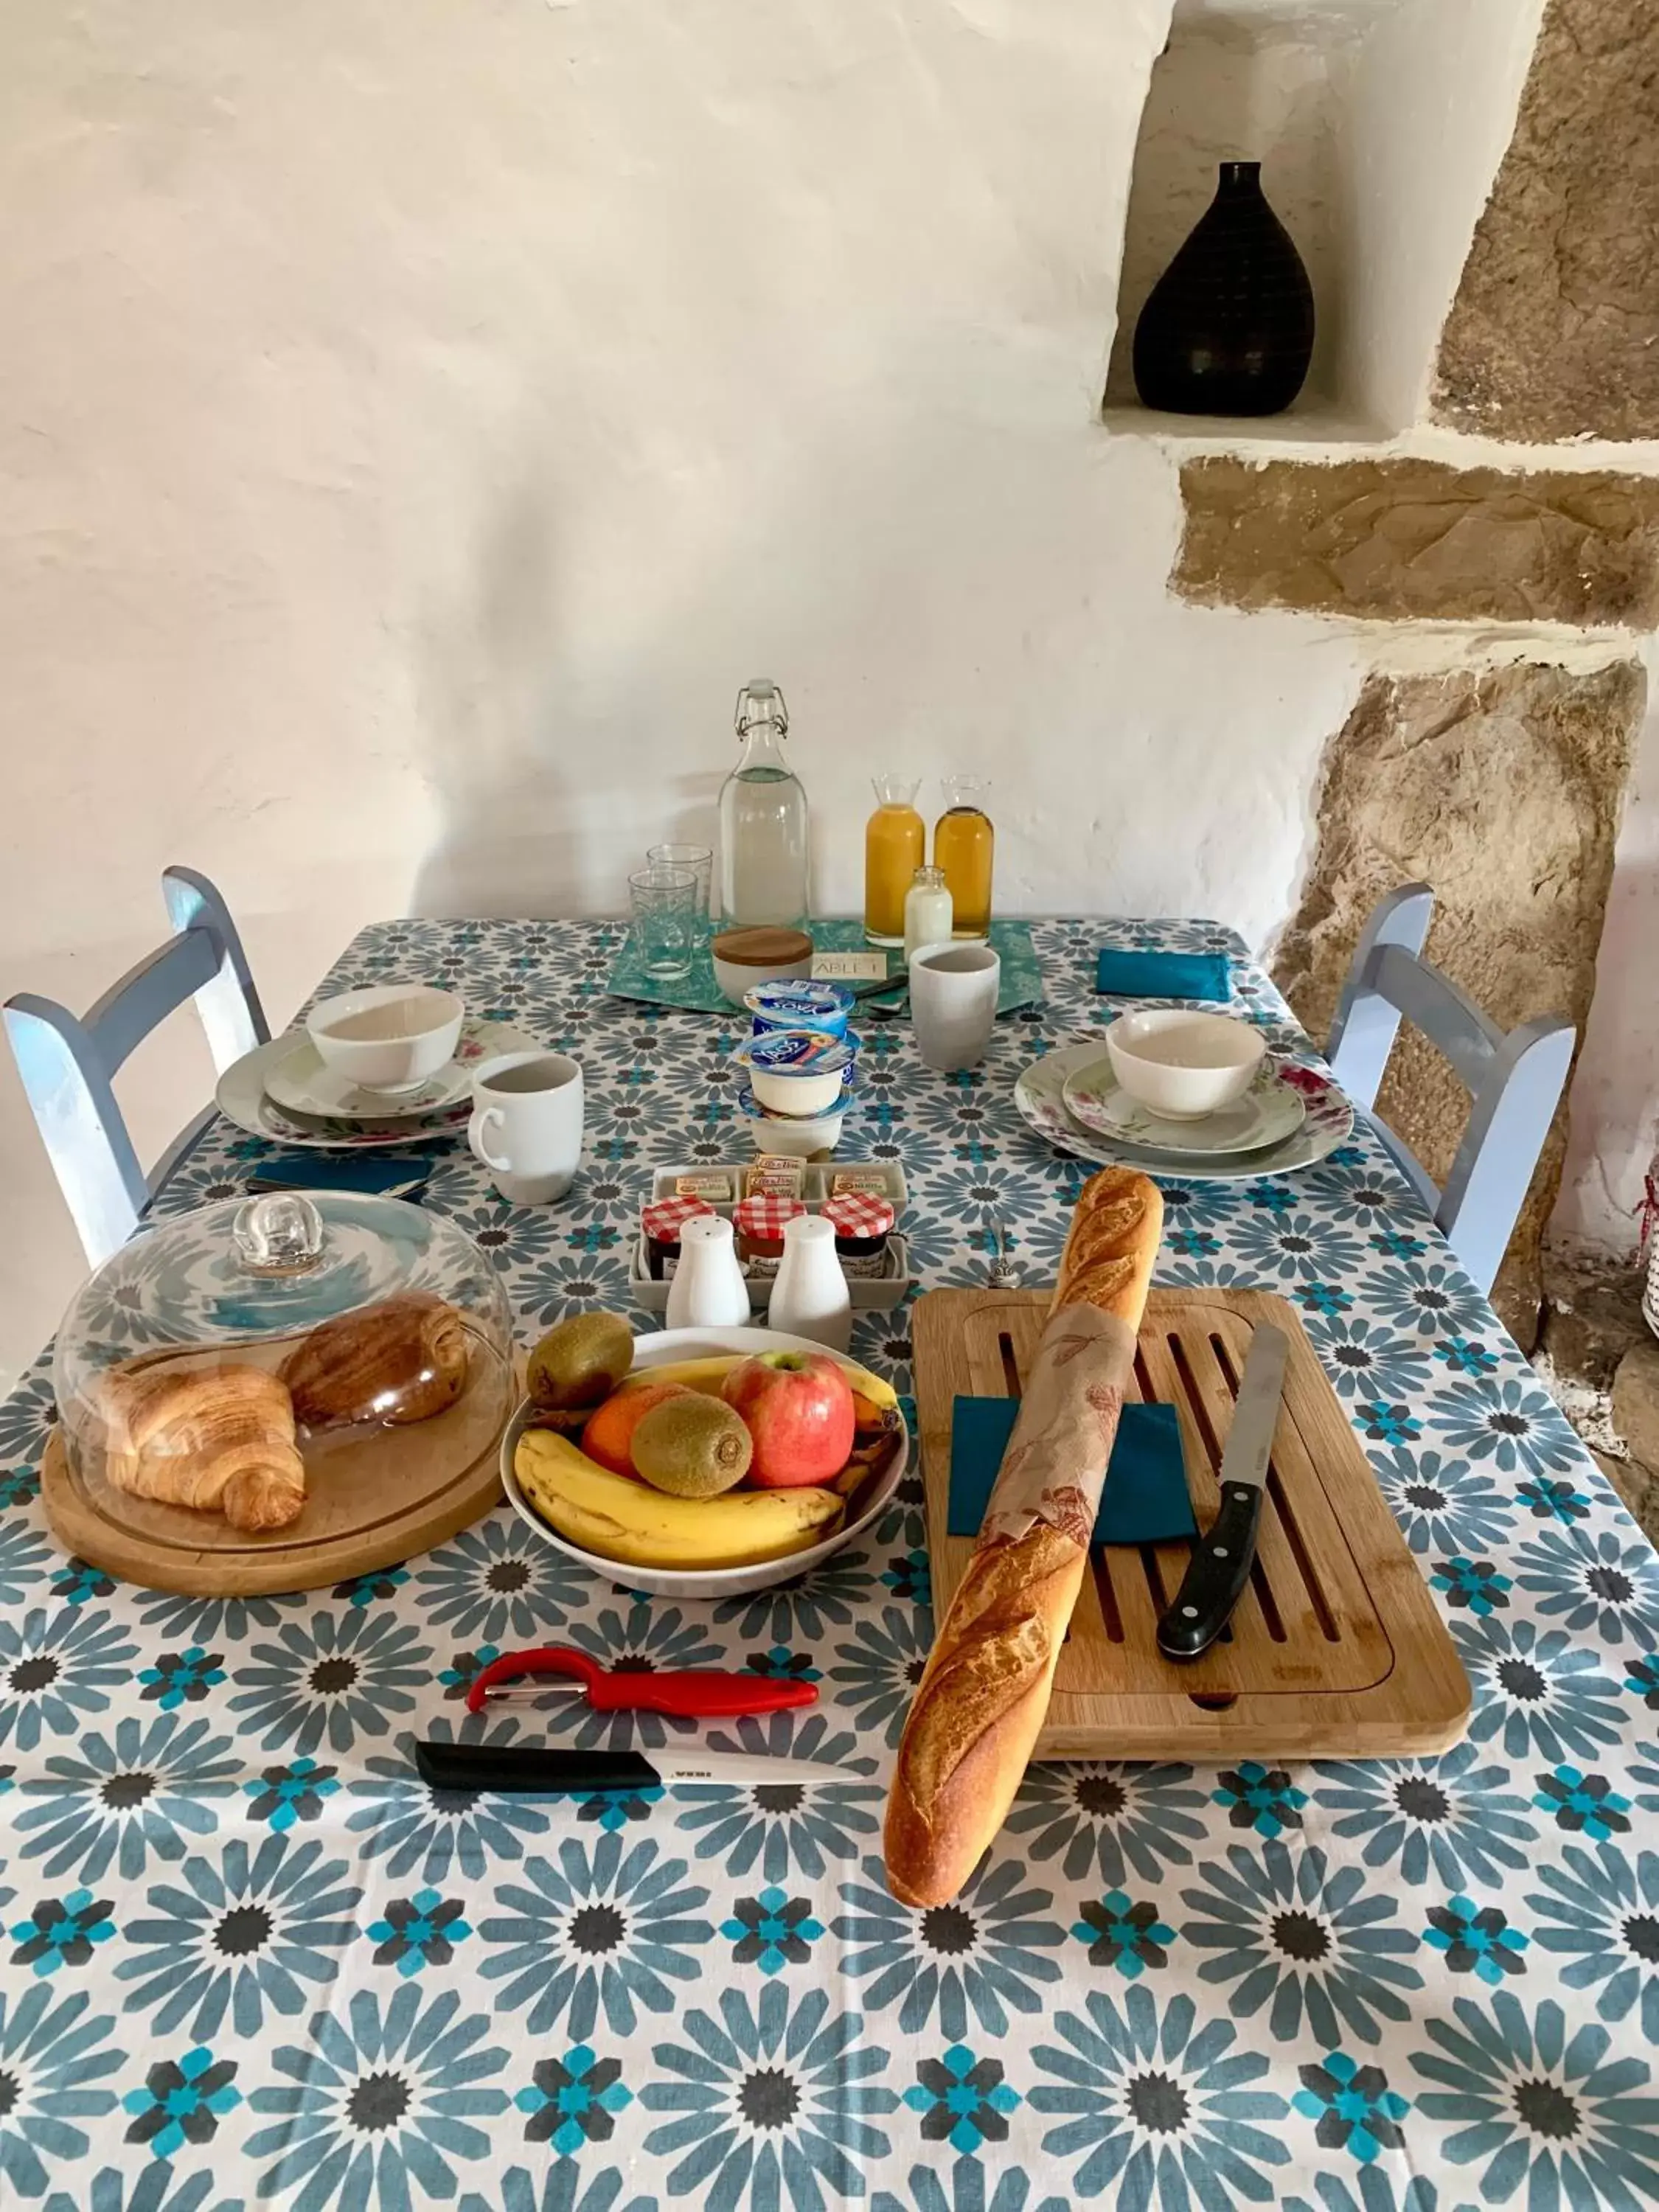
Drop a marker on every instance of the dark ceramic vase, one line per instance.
(1229, 327)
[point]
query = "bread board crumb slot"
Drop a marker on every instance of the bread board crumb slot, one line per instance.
(1010, 1370)
(1281, 1505)
(1100, 1560)
(1194, 1397)
(1266, 1600)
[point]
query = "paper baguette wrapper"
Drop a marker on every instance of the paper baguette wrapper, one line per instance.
(1054, 1466)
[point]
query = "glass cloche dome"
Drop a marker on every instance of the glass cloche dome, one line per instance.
(283, 1368)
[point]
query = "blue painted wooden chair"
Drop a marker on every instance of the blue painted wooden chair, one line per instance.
(1514, 1080)
(67, 1063)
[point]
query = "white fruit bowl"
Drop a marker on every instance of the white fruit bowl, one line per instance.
(662, 1350)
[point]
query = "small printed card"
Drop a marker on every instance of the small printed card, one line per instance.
(848, 967)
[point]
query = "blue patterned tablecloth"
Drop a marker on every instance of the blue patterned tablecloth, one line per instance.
(251, 1960)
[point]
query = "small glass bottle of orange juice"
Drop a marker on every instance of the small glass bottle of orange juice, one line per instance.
(894, 842)
(963, 841)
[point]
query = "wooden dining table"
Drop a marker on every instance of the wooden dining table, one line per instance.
(251, 1959)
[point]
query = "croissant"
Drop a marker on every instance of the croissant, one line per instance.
(403, 1360)
(217, 1439)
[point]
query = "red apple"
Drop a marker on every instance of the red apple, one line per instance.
(798, 1406)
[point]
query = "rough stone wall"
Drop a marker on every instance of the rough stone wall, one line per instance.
(1401, 540)
(1554, 331)
(1502, 788)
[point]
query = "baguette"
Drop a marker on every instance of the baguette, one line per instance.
(981, 1702)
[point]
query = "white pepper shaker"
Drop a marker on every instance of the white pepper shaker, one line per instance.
(708, 1290)
(810, 1296)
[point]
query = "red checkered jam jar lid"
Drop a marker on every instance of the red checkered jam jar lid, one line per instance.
(665, 1218)
(765, 1215)
(856, 1215)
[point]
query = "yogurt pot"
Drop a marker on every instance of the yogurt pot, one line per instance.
(797, 1138)
(801, 1006)
(798, 1071)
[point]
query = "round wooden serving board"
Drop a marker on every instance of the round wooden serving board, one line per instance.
(373, 1498)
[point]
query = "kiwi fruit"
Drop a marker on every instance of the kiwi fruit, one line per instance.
(691, 1447)
(579, 1361)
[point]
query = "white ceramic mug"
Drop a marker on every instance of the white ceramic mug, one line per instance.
(953, 1002)
(527, 1124)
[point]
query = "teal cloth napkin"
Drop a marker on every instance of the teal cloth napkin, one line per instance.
(1145, 1500)
(1127, 974)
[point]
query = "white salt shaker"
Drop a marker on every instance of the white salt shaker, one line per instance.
(809, 1293)
(708, 1290)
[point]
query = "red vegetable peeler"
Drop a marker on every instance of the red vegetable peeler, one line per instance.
(693, 1693)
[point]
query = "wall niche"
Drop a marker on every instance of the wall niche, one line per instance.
(1379, 125)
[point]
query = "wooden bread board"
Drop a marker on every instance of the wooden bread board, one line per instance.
(373, 1497)
(1336, 1649)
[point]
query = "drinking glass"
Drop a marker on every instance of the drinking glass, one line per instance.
(665, 920)
(700, 861)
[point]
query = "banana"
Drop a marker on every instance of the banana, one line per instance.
(707, 1375)
(870, 1418)
(618, 1519)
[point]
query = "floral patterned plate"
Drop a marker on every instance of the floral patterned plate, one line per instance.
(1270, 1111)
(1039, 1095)
(300, 1082)
(241, 1098)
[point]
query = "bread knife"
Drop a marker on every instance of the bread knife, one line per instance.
(1221, 1566)
(550, 1770)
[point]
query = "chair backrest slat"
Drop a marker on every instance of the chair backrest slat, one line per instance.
(1447, 1016)
(68, 1061)
(1514, 1080)
(152, 988)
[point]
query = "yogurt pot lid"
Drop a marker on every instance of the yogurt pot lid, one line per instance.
(799, 1052)
(782, 1002)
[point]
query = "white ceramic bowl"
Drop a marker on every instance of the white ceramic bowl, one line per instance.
(389, 1036)
(657, 1351)
(1184, 1065)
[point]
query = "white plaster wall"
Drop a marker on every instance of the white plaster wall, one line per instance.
(417, 417)
(1616, 1091)
(1428, 97)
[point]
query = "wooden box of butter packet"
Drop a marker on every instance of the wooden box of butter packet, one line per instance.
(871, 1293)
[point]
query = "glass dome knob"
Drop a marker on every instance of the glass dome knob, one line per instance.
(280, 1234)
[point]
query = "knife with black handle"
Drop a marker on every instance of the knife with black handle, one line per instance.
(543, 1769)
(1220, 1565)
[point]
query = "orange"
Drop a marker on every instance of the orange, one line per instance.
(609, 1435)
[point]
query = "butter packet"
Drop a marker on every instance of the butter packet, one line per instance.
(715, 1184)
(865, 1183)
(776, 1174)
